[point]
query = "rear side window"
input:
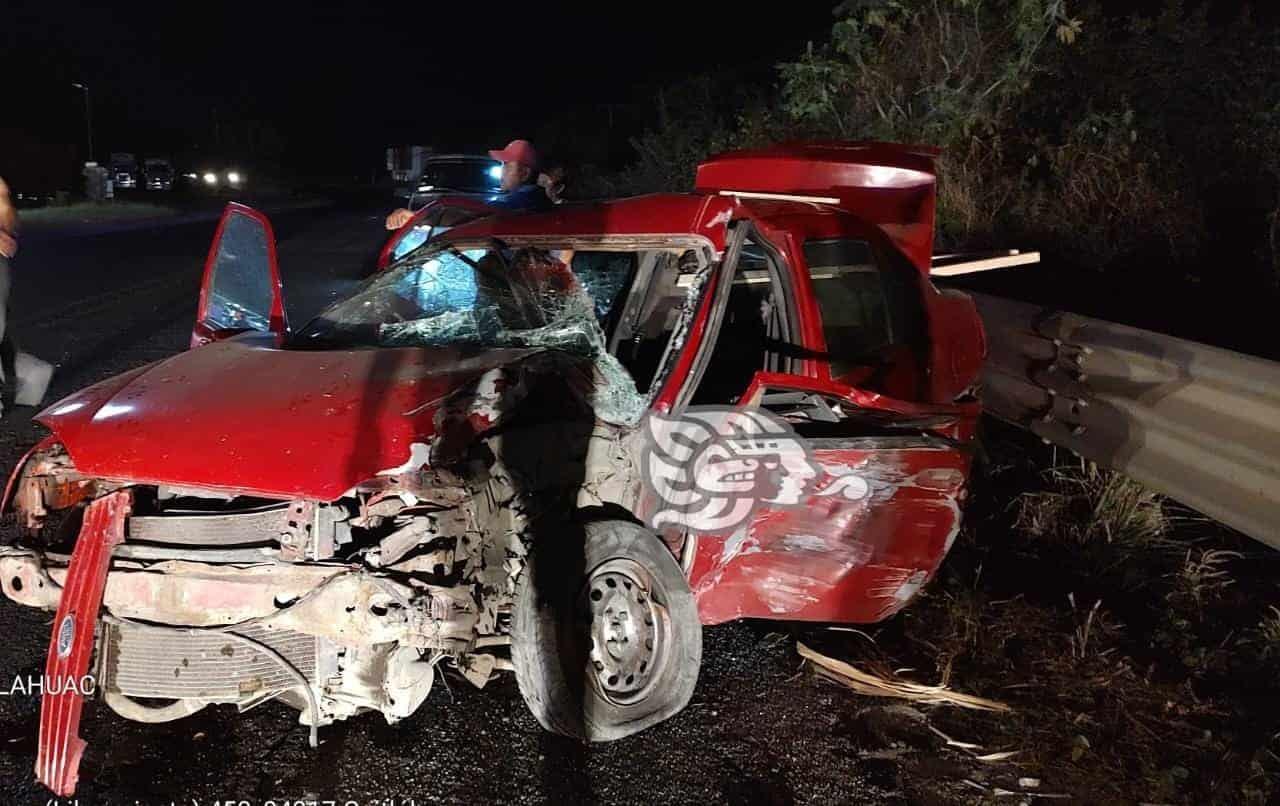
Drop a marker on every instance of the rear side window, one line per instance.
(604, 275)
(867, 307)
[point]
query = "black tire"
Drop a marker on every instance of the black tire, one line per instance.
(552, 632)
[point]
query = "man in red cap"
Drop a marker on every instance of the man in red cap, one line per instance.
(519, 184)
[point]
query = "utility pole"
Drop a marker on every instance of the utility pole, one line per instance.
(88, 119)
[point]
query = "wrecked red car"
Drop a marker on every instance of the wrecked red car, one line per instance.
(456, 463)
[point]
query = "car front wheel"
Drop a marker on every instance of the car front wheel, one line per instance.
(605, 636)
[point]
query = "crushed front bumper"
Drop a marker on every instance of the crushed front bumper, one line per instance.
(71, 646)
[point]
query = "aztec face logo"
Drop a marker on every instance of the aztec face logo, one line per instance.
(711, 467)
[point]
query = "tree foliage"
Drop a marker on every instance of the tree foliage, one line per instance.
(1096, 134)
(942, 71)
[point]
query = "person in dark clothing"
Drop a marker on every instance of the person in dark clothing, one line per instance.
(552, 180)
(8, 249)
(519, 187)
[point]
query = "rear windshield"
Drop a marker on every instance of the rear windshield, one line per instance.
(867, 307)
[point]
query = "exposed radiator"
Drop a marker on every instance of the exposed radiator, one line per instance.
(214, 529)
(205, 665)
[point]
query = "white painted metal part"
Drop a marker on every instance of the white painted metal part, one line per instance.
(956, 265)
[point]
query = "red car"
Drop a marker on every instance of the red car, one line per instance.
(551, 443)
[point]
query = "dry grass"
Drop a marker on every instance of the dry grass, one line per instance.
(890, 685)
(1083, 503)
(1203, 577)
(1134, 644)
(1268, 633)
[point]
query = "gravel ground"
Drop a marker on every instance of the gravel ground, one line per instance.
(758, 730)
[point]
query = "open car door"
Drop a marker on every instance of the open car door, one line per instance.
(856, 490)
(241, 288)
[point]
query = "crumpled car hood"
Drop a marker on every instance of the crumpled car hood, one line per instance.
(242, 416)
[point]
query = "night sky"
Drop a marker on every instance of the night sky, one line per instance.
(338, 81)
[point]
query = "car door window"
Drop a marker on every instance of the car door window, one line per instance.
(872, 315)
(652, 311)
(754, 330)
(605, 276)
(240, 293)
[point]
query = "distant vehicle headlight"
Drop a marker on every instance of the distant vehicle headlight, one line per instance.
(192, 176)
(496, 172)
(211, 178)
(233, 177)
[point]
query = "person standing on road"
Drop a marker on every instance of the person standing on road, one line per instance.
(8, 250)
(519, 186)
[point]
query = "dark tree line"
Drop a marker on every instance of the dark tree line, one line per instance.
(1112, 139)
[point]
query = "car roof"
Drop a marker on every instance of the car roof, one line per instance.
(640, 219)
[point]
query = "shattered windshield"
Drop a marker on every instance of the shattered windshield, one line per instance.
(492, 297)
(483, 297)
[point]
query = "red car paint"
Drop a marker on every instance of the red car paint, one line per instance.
(245, 416)
(957, 343)
(682, 214)
(889, 186)
(952, 420)
(832, 560)
(71, 646)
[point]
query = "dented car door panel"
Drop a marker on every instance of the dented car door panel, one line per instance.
(882, 510)
(882, 514)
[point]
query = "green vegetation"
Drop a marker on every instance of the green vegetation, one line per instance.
(1138, 643)
(1097, 137)
(94, 212)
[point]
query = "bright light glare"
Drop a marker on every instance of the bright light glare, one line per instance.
(495, 172)
(233, 177)
(113, 410)
(193, 176)
(425, 188)
(68, 408)
(211, 178)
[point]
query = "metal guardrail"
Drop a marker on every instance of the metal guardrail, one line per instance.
(1197, 423)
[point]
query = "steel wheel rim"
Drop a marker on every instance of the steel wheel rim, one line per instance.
(629, 630)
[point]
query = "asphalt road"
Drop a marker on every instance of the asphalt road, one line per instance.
(757, 730)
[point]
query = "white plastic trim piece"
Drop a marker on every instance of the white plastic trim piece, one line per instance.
(1002, 261)
(747, 194)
